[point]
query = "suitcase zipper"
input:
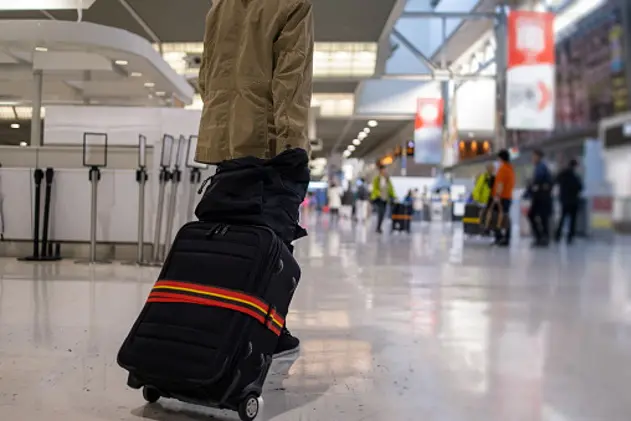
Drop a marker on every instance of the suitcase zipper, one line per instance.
(220, 230)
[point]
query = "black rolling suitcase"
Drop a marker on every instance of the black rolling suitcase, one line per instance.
(208, 330)
(472, 219)
(402, 217)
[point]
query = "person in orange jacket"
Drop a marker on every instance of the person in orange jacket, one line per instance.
(503, 194)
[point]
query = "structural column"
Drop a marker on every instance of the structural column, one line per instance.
(501, 63)
(445, 95)
(36, 120)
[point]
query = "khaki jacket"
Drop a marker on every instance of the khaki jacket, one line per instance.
(255, 79)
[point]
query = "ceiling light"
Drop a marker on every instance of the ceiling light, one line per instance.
(160, 93)
(149, 85)
(136, 74)
(346, 154)
(366, 130)
(122, 62)
(23, 144)
(15, 126)
(351, 148)
(362, 136)
(373, 123)
(357, 142)
(41, 49)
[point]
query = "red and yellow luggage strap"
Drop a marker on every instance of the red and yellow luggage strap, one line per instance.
(188, 293)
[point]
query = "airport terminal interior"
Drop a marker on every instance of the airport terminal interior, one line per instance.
(468, 213)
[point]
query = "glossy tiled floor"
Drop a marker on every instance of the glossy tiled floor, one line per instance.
(423, 328)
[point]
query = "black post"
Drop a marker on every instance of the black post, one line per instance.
(38, 176)
(50, 173)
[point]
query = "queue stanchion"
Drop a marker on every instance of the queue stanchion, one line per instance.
(142, 177)
(166, 157)
(195, 175)
(50, 250)
(94, 158)
(175, 182)
(38, 176)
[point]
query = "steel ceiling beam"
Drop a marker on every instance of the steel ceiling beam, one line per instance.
(384, 47)
(417, 53)
(144, 25)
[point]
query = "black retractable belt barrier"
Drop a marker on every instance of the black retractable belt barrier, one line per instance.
(49, 251)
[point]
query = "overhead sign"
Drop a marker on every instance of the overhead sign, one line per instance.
(530, 76)
(428, 131)
(45, 4)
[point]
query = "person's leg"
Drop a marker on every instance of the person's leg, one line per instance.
(544, 217)
(381, 213)
(506, 237)
(534, 223)
(572, 213)
(559, 230)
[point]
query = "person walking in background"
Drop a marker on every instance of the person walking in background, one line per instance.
(362, 204)
(335, 200)
(570, 189)
(382, 193)
(502, 194)
(540, 192)
(348, 201)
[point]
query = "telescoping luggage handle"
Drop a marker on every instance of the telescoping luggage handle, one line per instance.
(165, 291)
(500, 215)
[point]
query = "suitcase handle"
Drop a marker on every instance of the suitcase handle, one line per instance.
(489, 215)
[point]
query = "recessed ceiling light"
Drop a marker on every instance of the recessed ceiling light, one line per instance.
(351, 148)
(366, 130)
(149, 85)
(150, 96)
(23, 144)
(346, 154)
(362, 136)
(373, 123)
(160, 93)
(122, 62)
(15, 126)
(357, 142)
(135, 74)
(41, 49)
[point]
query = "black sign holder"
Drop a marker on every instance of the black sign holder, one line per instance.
(94, 158)
(195, 175)
(166, 157)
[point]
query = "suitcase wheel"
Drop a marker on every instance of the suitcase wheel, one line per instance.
(150, 394)
(249, 408)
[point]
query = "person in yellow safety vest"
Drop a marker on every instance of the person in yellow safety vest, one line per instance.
(484, 185)
(382, 193)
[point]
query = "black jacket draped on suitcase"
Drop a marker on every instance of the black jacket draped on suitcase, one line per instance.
(212, 320)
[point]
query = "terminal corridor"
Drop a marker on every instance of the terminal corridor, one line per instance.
(429, 327)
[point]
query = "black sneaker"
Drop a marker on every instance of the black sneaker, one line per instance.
(287, 344)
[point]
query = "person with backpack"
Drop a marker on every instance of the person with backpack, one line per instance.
(256, 83)
(362, 205)
(570, 188)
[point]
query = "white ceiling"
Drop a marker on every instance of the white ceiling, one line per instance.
(82, 63)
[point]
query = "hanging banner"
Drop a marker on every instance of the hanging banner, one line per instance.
(530, 76)
(428, 131)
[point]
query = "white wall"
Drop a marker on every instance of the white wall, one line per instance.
(65, 125)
